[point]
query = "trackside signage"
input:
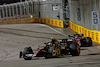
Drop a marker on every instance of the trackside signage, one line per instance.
(95, 17)
(54, 22)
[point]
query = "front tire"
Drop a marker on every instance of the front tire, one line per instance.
(20, 54)
(27, 58)
(27, 50)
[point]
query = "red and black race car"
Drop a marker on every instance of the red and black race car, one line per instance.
(81, 40)
(55, 48)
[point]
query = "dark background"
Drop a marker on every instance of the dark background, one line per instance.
(9, 1)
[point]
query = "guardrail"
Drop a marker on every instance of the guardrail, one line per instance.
(95, 35)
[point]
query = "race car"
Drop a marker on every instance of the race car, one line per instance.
(84, 41)
(54, 48)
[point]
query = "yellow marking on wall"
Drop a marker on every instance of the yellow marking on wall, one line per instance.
(95, 35)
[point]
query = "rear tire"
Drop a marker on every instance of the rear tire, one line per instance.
(28, 58)
(49, 55)
(58, 51)
(88, 41)
(55, 51)
(74, 49)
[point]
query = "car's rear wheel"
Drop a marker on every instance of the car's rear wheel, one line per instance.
(49, 55)
(88, 41)
(74, 49)
(55, 51)
(58, 51)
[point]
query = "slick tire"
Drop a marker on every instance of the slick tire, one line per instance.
(28, 58)
(88, 41)
(20, 54)
(74, 49)
(27, 50)
(58, 51)
(51, 48)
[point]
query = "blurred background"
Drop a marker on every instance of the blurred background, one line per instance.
(9, 1)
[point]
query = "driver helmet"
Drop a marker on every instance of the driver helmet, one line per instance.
(51, 37)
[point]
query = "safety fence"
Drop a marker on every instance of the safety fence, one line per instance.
(95, 35)
(53, 22)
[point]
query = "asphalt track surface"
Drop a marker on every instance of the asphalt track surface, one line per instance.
(13, 38)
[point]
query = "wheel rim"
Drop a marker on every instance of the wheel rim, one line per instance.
(58, 51)
(78, 49)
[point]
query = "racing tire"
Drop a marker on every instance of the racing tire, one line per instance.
(88, 41)
(20, 54)
(47, 56)
(28, 58)
(27, 50)
(58, 51)
(83, 43)
(51, 48)
(74, 49)
(55, 51)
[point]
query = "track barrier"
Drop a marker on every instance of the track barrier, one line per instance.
(53, 22)
(95, 35)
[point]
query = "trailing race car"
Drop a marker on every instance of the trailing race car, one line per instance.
(55, 48)
(85, 41)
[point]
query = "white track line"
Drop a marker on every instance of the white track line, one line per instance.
(55, 30)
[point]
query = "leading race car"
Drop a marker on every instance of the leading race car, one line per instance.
(55, 48)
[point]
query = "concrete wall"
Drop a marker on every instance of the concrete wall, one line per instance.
(36, 8)
(33, 8)
(46, 9)
(85, 6)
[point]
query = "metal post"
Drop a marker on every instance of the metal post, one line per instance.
(9, 12)
(0, 14)
(27, 8)
(20, 10)
(32, 7)
(6, 12)
(23, 11)
(13, 11)
(3, 12)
